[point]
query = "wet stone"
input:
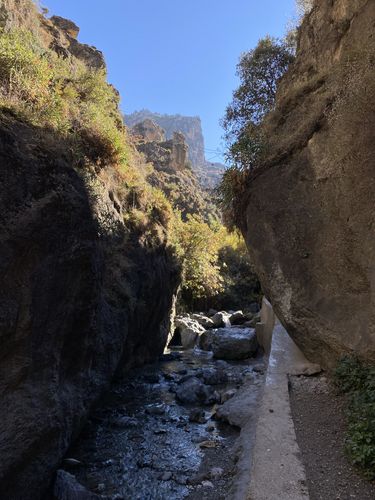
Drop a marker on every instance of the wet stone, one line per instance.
(145, 431)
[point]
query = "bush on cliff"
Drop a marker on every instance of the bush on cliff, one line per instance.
(358, 381)
(61, 94)
(259, 71)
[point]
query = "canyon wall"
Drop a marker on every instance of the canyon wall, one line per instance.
(309, 209)
(83, 294)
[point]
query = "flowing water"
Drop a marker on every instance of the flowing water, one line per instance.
(142, 443)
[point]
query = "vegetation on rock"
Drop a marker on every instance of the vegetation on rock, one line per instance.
(358, 381)
(259, 71)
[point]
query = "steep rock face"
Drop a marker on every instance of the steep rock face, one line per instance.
(81, 298)
(310, 216)
(172, 173)
(191, 127)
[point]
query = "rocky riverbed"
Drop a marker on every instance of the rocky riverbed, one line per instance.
(169, 430)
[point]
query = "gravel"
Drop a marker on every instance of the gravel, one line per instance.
(319, 417)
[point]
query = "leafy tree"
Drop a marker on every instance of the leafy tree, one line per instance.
(259, 71)
(197, 245)
(304, 6)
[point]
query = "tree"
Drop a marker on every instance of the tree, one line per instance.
(197, 245)
(259, 71)
(304, 6)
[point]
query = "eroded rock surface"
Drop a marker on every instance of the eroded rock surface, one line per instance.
(310, 214)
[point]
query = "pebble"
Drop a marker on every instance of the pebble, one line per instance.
(216, 472)
(72, 462)
(158, 409)
(166, 476)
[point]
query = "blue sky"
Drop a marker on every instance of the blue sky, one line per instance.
(176, 56)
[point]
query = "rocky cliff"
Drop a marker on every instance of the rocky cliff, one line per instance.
(191, 127)
(309, 210)
(172, 173)
(83, 293)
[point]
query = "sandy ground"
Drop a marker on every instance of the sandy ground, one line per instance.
(319, 417)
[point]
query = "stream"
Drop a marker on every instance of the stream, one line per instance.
(148, 441)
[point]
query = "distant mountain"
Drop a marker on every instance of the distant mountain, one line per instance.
(208, 173)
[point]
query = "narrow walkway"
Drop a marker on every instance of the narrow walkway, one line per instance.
(277, 470)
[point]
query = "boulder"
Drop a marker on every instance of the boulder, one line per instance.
(189, 331)
(203, 320)
(205, 340)
(212, 376)
(221, 320)
(234, 343)
(68, 488)
(193, 391)
(237, 318)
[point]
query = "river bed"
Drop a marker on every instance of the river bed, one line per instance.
(143, 443)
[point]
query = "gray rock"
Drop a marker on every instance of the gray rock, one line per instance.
(156, 409)
(197, 415)
(68, 488)
(237, 318)
(225, 396)
(189, 330)
(193, 391)
(203, 320)
(212, 376)
(205, 340)
(234, 343)
(166, 476)
(221, 320)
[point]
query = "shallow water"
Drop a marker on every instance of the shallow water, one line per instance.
(139, 444)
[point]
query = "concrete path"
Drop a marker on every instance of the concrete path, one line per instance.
(277, 472)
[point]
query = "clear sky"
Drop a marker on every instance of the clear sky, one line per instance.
(176, 56)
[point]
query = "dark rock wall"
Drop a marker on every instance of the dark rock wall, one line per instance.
(310, 216)
(80, 298)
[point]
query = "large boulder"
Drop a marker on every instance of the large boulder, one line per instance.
(188, 331)
(309, 213)
(234, 343)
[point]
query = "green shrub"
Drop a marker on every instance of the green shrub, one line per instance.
(358, 381)
(61, 94)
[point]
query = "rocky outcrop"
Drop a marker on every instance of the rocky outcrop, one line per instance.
(169, 155)
(148, 131)
(208, 173)
(310, 215)
(77, 302)
(172, 173)
(58, 33)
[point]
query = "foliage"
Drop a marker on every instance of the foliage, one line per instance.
(241, 284)
(197, 245)
(358, 381)
(304, 6)
(259, 71)
(217, 271)
(61, 94)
